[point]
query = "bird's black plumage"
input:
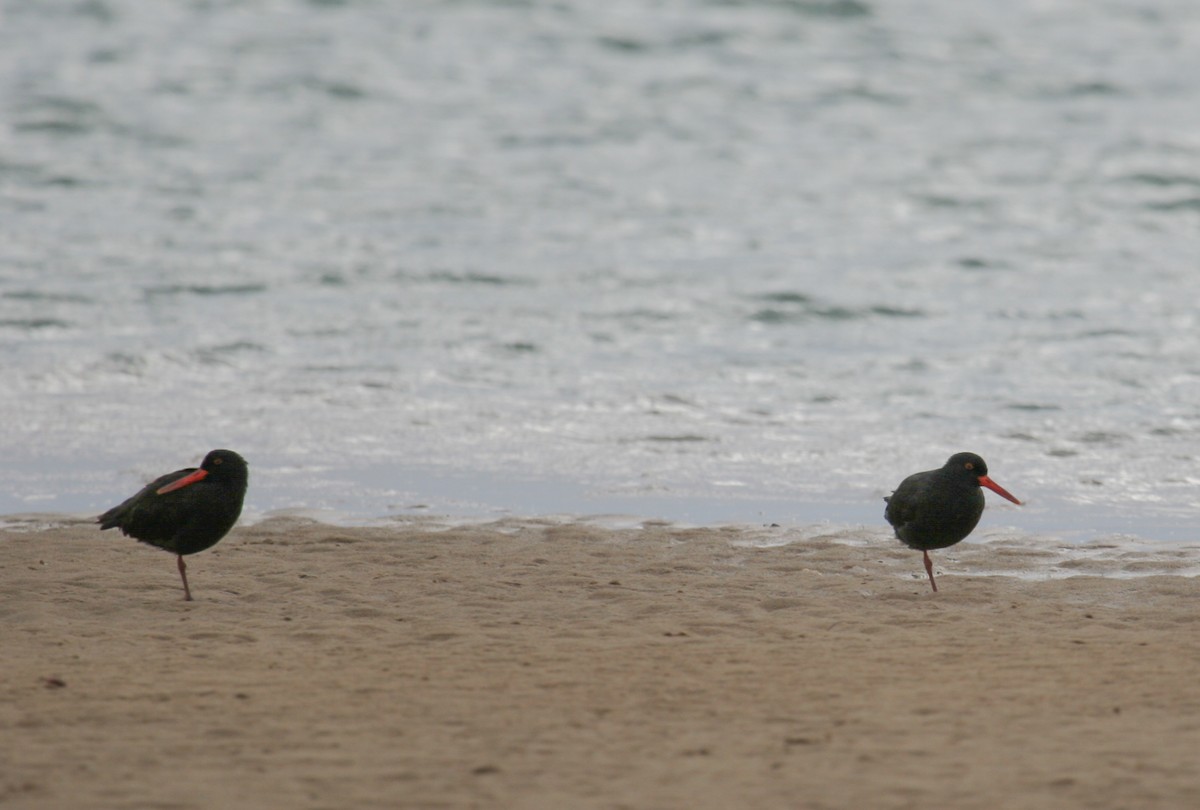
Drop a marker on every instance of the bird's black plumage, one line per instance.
(186, 511)
(938, 508)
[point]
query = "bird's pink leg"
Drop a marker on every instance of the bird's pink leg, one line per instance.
(928, 570)
(187, 592)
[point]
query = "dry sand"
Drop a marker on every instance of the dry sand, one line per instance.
(557, 664)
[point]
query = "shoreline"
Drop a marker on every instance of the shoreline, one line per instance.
(997, 550)
(356, 499)
(539, 663)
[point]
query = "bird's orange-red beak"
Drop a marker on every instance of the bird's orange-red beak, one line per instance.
(984, 481)
(198, 475)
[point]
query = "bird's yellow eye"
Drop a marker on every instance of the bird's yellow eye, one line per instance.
(969, 465)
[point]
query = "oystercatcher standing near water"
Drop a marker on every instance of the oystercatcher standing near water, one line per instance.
(937, 508)
(185, 511)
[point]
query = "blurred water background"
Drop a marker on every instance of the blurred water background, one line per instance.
(707, 260)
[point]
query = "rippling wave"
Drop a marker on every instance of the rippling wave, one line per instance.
(562, 256)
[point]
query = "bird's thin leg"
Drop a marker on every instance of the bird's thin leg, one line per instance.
(928, 570)
(187, 592)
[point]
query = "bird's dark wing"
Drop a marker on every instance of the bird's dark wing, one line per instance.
(147, 513)
(903, 507)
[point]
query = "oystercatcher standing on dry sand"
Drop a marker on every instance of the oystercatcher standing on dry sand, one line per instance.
(937, 508)
(185, 511)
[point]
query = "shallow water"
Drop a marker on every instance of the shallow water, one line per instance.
(705, 260)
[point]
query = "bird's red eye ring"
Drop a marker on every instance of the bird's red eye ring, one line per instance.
(219, 460)
(969, 465)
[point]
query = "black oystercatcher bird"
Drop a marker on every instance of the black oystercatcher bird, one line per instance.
(937, 508)
(185, 511)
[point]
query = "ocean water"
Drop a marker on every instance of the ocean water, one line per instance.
(706, 260)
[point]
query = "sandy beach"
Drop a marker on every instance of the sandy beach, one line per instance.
(573, 664)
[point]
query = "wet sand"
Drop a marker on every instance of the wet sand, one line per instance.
(568, 664)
